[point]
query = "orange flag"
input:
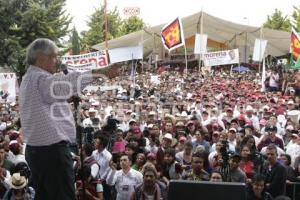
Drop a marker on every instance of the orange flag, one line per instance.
(172, 35)
(295, 48)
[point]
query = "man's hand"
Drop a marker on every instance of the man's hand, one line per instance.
(112, 165)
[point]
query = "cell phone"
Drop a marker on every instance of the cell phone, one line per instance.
(115, 157)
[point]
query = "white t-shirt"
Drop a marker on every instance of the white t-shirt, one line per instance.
(124, 183)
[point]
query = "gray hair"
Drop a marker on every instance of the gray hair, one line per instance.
(40, 45)
(272, 147)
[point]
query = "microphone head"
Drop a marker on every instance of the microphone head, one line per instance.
(63, 67)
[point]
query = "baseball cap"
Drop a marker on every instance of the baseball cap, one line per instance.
(271, 129)
(168, 136)
(180, 123)
(235, 155)
(232, 129)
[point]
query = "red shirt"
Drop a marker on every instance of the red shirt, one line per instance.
(248, 168)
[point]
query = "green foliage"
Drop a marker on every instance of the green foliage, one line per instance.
(116, 26)
(23, 21)
(96, 23)
(75, 42)
(131, 24)
(277, 21)
(296, 17)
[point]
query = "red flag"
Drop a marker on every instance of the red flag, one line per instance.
(172, 35)
(295, 46)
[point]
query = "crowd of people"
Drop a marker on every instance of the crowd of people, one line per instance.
(135, 138)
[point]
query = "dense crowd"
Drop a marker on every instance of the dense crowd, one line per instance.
(140, 135)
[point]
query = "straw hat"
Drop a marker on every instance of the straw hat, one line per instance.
(17, 181)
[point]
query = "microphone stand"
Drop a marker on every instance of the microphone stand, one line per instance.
(76, 100)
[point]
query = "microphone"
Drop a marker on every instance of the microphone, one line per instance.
(64, 68)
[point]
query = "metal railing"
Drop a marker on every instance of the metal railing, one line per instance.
(293, 190)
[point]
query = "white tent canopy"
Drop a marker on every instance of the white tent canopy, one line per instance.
(232, 34)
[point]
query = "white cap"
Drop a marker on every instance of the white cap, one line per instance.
(13, 142)
(266, 107)
(13, 103)
(152, 113)
(168, 136)
(92, 110)
(96, 103)
(150, 126)
(131, 120)
(232, 129)
(290, 102)
(92, 100)
(184, 114)
(249, 108)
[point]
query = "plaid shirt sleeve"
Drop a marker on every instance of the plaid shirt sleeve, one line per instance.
(46, 116)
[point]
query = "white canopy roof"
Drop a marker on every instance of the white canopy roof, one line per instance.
(232, 34)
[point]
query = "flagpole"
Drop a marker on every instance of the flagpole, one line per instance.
(263, 76)
(142, 43)
(260, 41)
(132, 70)
(106, 24)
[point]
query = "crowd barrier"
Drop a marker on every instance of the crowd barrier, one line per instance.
(293, 190)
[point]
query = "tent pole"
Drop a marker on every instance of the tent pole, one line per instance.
(201, 32)
(186, 64)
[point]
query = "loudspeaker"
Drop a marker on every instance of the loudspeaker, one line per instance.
(201, 190)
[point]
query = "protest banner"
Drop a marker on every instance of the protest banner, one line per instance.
(125, 54)
(81, 68)
(221, 57)
(259, 49)
(8, 87)
(98, 57)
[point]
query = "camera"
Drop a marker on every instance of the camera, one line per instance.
(95, 121)
(224, 152)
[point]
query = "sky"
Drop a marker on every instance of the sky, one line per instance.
(155, 12)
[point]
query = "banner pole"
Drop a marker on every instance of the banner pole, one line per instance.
(142, 43)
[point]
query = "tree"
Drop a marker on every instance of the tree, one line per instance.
(296, 17)
(96, 24)
(75, 42)
(23, 21)
(131, 24)
(116, 26)
(277, 21)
